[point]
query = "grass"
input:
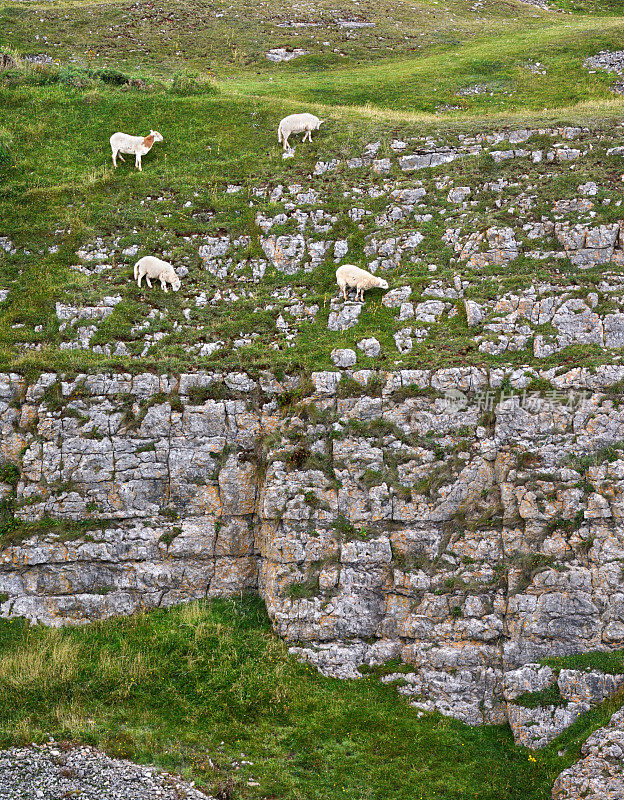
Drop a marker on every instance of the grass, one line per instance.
(547, 697)
(499, 63)
(210, 682)
(611, 663)
(152, 68)
(75, 197)
(231, 41)
(14, 532)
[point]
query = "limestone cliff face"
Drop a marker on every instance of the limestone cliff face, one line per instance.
(466, 523)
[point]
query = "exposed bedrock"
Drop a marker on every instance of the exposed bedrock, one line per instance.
(464, 523)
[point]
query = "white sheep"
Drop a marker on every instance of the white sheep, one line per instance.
(159, 270)
(348, 276)
(133, 145)
(298, 123)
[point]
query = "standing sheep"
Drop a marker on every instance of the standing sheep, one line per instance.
(348, 276)
(133, 145)
(298, 123)
(159, 270)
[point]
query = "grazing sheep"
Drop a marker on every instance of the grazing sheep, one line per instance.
(298, 123)
(152, 267)
(134, 145)
(349, 276)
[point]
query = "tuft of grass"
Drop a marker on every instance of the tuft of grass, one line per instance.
(168, 536)
(9, 473)
(304, 590)
(6, 149)
(551, 696)
(611, 663)
(14, 532)
(607, 454)
(185, 83)
(529, 565)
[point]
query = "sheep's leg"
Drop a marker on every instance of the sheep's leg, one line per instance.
(114, 160)
(344, 292)
(120, 156)
(149, 283)
(163, 285)
(139, 279)
(286, 146)
(137, 163)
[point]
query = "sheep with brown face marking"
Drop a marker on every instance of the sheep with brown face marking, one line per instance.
(133, 145)
(298, 123)
(158, 270)
(348, 276)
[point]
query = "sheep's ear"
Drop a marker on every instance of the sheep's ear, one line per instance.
(321, 121)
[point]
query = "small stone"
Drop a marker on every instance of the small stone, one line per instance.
(370, 347)
(396, 297)
(459, 194)
(474, 313)
(279, 54)
(341, 248)
(403, 340)
(344, 318)
(381, 165)
(344, 358)
(406, 311)
(589, 189)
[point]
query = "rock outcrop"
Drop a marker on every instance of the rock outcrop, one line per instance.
(466, 523)
(542, 702)
(599, 775)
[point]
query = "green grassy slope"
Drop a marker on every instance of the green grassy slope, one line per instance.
(233, 38)
(210, 682)
(60, 193)
(498, 62)
(402, 77)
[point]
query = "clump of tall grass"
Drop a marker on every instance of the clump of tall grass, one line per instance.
(16, 70)
(185, 83)
(6, 148)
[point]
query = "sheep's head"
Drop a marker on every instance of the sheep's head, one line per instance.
(320, 122)
(382, 283)
(157, 136)
(176, 283)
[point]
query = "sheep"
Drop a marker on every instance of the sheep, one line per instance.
(348, 276)
(133, 145)
(298, 123)
(152, 267)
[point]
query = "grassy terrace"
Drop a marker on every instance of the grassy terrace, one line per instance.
(201, 77)
(59, 194)
(232, 39)
(209, 682)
